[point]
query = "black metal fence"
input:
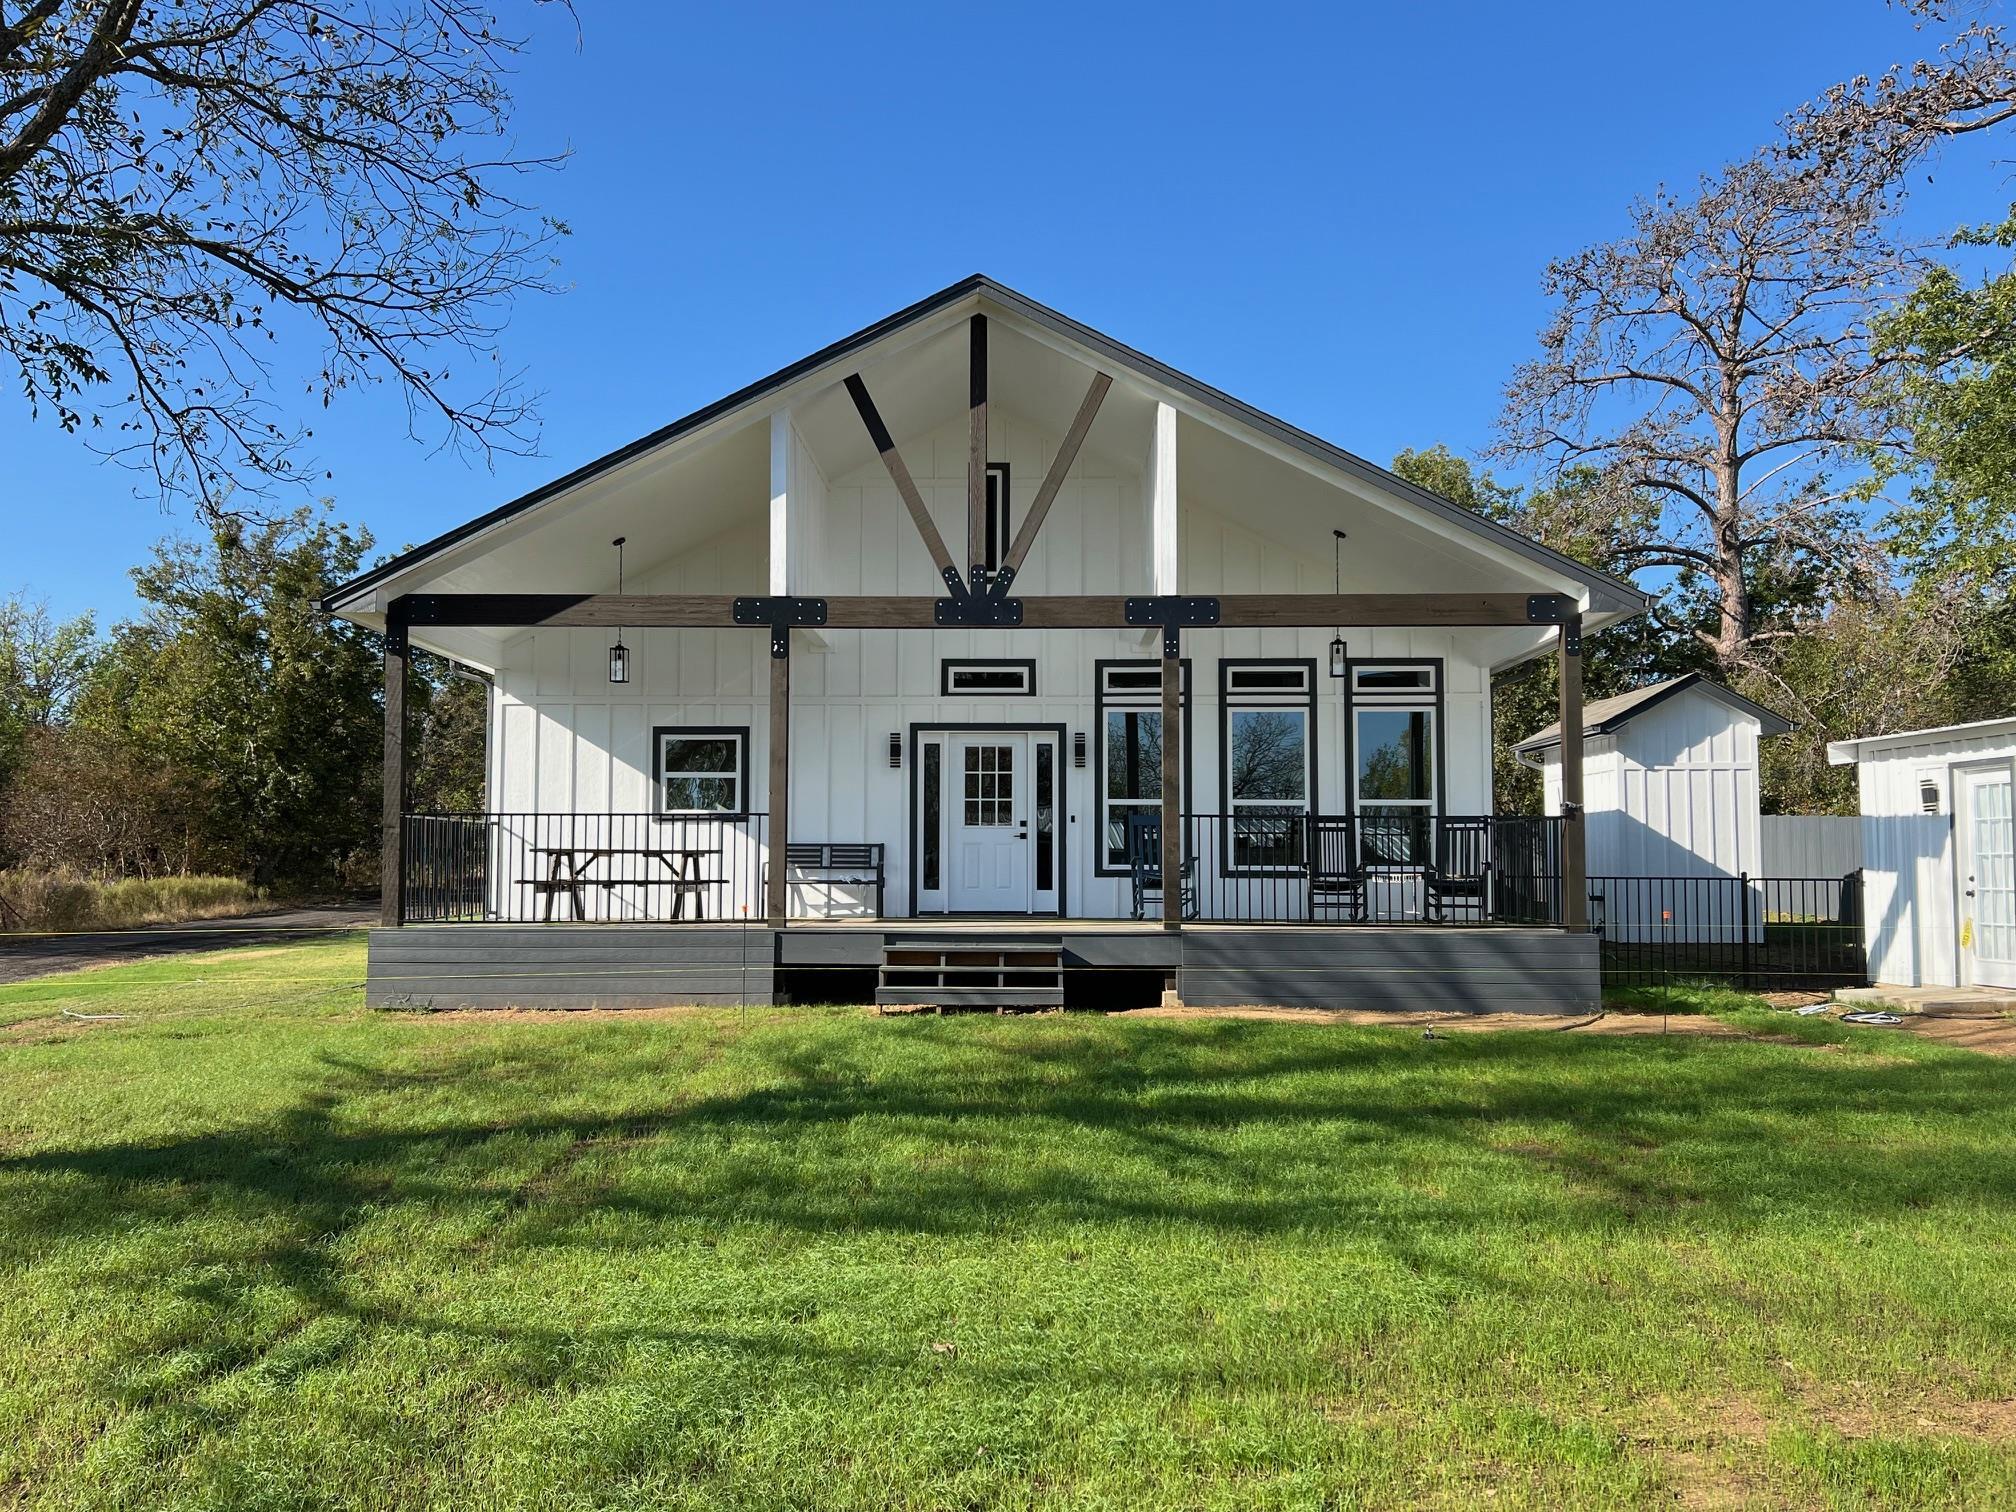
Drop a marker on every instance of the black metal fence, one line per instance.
(588, 868)
(1761, 934)
(1400, 866)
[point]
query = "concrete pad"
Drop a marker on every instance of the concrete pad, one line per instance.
(1932, 1002)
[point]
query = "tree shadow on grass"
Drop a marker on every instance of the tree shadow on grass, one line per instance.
(1220, 1132)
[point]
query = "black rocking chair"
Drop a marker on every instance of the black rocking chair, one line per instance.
(1461, 875)
(1336, 877)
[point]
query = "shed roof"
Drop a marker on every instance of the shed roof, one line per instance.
(1848, 752)
(1604, 715)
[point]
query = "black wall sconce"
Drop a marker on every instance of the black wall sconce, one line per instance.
(1078, 748)
(895, 749)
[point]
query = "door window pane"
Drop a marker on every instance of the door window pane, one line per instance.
(990, 786)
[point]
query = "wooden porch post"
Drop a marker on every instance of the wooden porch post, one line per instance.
(1172, 781)
(780, 777)
(1574, 830)
(391, 846)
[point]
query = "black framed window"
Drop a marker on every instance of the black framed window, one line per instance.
(999, 535)
(997, 677)
(1127, 713)
(1396, 759)
(1267, 755)
(701, 769)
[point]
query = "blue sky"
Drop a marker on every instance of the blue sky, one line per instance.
(1339, 213)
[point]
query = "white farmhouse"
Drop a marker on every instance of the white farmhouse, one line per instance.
(975, 651)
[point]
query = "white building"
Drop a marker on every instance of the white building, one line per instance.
(1940, 881)
(1671, 791)
(886, 656)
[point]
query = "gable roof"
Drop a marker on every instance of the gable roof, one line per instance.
(1608, 593)
(1604, 715)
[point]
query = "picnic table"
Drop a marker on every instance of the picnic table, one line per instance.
(567, 871)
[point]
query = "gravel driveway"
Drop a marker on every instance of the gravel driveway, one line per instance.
(32, 955)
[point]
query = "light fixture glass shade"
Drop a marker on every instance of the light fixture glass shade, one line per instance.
(619, 662)
(1340, 657)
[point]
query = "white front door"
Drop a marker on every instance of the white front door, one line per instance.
(1988, 878)
(988, 840)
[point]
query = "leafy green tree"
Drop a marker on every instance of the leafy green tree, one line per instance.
(1583, 520)
(43, 663)
(449, 737)
(232, 675)
(195, 193)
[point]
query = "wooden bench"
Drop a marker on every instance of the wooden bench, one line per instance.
(862, 861)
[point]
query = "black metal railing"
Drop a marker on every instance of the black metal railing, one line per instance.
(1757, 933)
(585, 868)
(1260, 866)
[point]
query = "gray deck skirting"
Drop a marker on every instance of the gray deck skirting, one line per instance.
(444, 966)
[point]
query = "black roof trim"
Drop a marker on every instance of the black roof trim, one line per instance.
(1620, 709)
(1625, 597)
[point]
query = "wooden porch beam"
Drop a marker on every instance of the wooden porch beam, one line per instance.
(906, 485)
(1172, 780)
(1574, 827)
(1042, 612)
(1039, 507)
(776, 900)
(391, 845)
(976, 453)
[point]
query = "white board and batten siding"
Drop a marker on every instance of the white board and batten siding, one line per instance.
(1670, 793)
(1908, 786)
(565, 740)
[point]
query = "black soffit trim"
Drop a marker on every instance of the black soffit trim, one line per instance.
(1083, 335)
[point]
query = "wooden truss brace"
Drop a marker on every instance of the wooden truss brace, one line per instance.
(961, 608)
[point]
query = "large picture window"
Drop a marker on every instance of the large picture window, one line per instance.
(1396, 760)
(702, 770)
(1266, 735)
(1128, 711)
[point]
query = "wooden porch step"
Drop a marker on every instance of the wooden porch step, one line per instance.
(972, 973)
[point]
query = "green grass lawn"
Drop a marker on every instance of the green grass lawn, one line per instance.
(261, 1248)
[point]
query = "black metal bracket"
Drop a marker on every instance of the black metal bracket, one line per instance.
(1549, 608)
(782, 615)
(976, 609)
(1172, 613)
(1571, 635)
(1000, 582)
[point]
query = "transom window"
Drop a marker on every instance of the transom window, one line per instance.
(702, 770)
(1266, 732)
(987, 677)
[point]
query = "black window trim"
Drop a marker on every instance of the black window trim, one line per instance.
(1440, 811)
(953, 664)
(659, 733)
(1145, 699)
(1284, 698)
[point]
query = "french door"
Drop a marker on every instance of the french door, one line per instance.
(988, 832)
(1988, 877)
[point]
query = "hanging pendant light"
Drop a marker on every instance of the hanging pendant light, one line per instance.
(619, 654)
(1340, 654)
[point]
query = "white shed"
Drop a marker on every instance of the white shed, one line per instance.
(1670, 790)
(1938, 869)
